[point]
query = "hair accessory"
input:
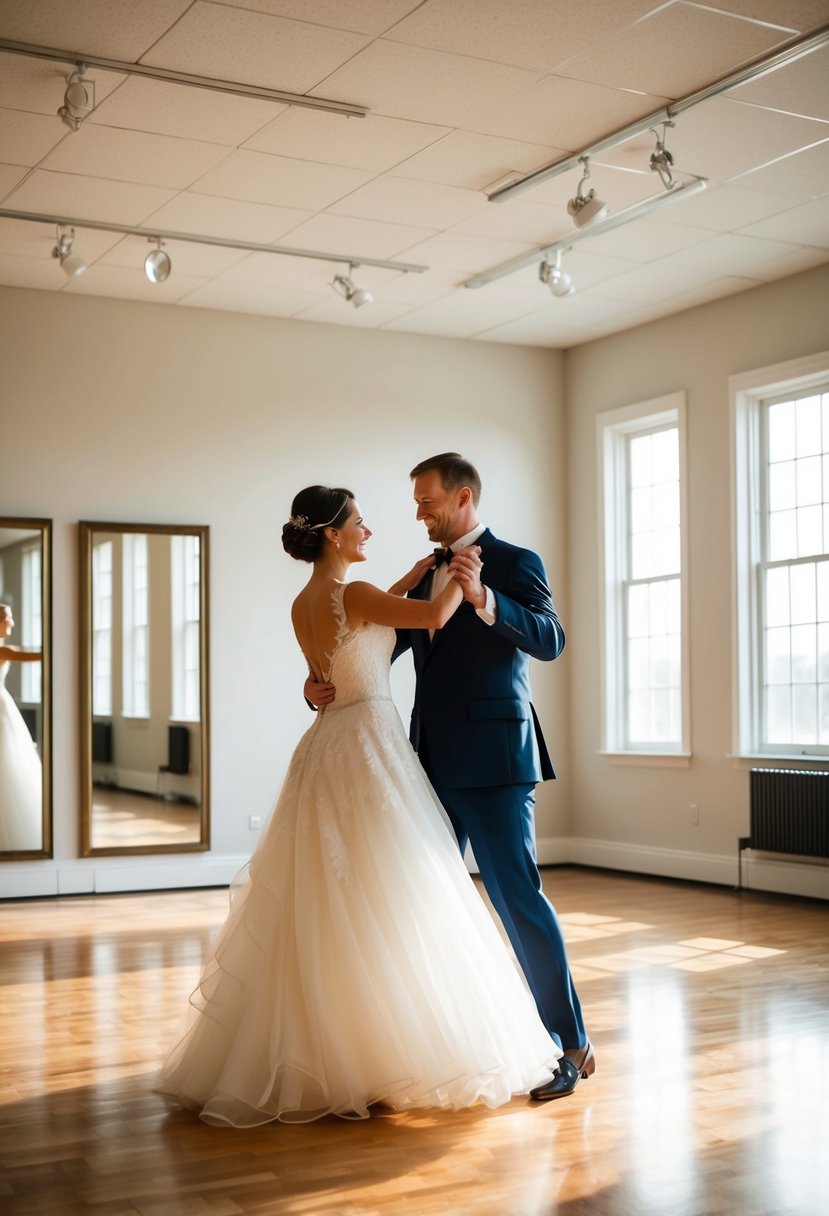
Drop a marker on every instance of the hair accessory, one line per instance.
(300, 522)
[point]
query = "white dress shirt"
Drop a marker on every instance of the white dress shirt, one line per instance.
(489, 612)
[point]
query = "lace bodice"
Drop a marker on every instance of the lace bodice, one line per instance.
(359, 665)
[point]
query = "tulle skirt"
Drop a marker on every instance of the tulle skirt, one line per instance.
(21, 781)
(358, 964)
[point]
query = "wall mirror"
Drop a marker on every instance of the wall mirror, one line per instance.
(25, 684)
(144, 689)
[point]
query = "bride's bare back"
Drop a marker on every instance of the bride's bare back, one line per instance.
(315, 625)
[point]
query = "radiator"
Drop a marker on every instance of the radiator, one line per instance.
(789, 812)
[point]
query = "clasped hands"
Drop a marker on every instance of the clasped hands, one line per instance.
(465, 568)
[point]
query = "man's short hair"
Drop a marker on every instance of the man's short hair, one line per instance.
(455, 472)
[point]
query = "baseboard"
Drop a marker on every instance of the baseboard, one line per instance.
(761, 872)
(108, 875)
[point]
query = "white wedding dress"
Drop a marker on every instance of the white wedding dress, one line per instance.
(358, 963)
(21, 778)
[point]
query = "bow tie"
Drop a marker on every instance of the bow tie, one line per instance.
(443, 555)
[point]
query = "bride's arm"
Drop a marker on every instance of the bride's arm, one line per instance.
(417, 573)
(15, 655)
(365, 602)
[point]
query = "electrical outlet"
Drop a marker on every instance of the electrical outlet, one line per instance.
(254, 822)
(695, 813)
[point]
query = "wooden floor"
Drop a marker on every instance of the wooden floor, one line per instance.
(121, 817)
(709, 1011)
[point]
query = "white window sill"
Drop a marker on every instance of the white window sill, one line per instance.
(752, 760)
(651, 759)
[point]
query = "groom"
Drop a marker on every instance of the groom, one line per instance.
(478, 737)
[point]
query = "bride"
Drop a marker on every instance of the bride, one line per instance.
(21, 778)
(357, 965)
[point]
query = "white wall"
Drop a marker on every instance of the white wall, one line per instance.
(638, 818)
(127, 412)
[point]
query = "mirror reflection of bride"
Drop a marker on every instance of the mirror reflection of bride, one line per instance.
(21, 777)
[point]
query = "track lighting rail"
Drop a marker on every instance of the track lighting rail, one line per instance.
(186, 78)
(163, 234)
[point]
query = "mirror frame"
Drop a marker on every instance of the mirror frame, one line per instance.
(87, 529)
(44, 526)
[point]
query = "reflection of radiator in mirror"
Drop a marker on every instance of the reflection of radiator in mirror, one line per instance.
(29, 715)
(178, 751)
(102, 743)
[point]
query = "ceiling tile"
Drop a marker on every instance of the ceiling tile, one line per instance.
(423, 204)
(129, 284)
(647, 239)
(674, 51)
(134, 156)
(243, 297)
(364, 16)
(732, 254)
(561, 113)
(422, 85)
(38, 85)
(799, 15)
(459, 315)
(113, 29)
(364, 143)
(229, 219)
(473, 161)
(517, 220)
(348, 235)
(800, 88)
(555, 324)
(724, 208)
(254, 48)
(465, 254)
(807, 224)
(281, 181)
(26, 138)
(415, 289)
(10, 175)
(87, 197)
(803, 174)
(164, 108)
(530, 34)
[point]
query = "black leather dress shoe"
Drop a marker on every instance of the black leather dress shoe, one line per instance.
(575, 1063)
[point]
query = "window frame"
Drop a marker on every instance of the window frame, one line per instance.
(748, 391)
(614, 428)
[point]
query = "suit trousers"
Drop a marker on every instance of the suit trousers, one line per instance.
(499, 824)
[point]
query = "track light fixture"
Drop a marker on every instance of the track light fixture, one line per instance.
(70, 263)
(559, 281)
(661, 161)
(157, 263)
(586, 209)
(78, 100)
(344, 286)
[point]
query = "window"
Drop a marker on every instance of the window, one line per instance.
(32, 624)
(185, 567)
(645, 648)
(136, 626)
(102, 629)
(781, 496)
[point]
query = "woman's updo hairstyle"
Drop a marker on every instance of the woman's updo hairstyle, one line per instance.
(313, 510)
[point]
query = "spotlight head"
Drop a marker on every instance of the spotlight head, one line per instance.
(157, 264)
(343, 284)
(78, 100)
(72, 264)
(586, 210)
(557, 280)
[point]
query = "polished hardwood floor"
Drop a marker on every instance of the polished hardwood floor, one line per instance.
(709, 1011)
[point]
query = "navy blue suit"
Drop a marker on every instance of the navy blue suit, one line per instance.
(480, 742)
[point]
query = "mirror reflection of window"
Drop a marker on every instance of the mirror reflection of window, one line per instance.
(185, 569)
(31, 626)
(102, 628)
(136, 626)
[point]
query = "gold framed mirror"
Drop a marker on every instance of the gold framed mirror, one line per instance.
(25, 688)
(145, 754)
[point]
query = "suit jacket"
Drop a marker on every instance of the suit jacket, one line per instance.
(473, 720)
